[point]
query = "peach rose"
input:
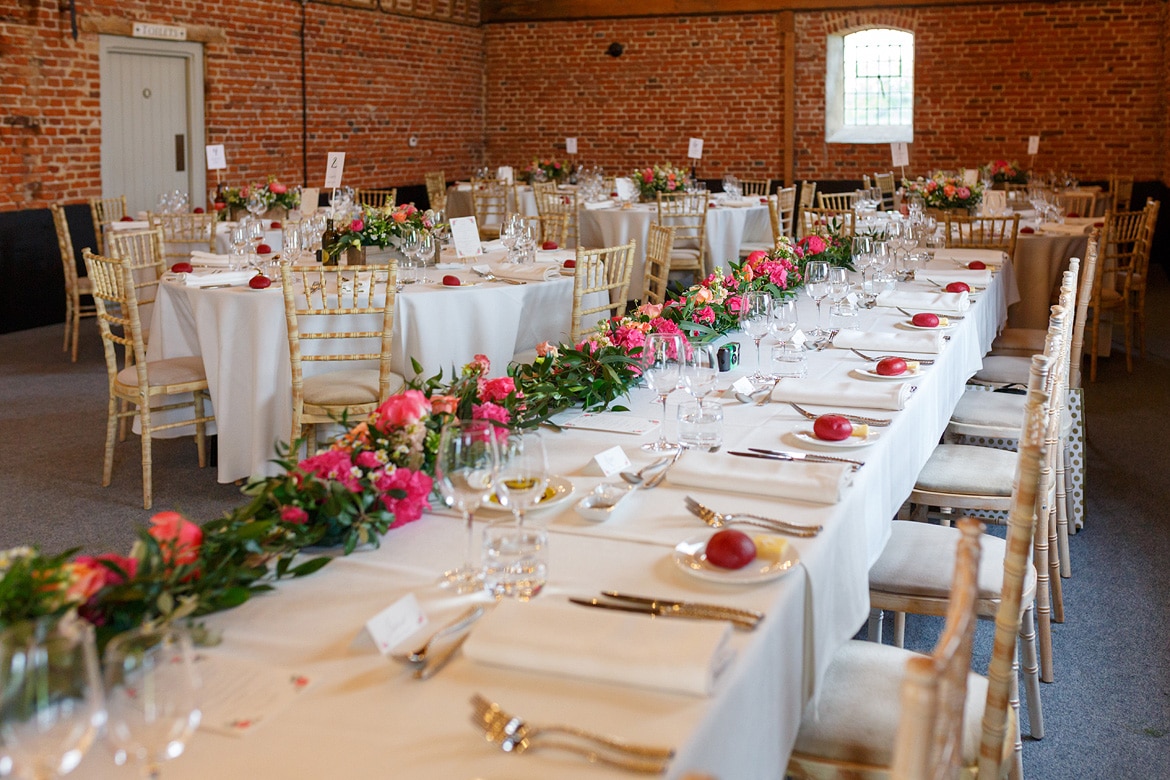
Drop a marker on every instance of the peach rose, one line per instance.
(178, 537)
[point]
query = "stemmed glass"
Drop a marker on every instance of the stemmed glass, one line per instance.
(860, 249)
(838, 287)
(465, 470)
(51, 705)
(407, 269)
(523, 473)
(784, 319)
(153, 695)
(662, 358)
(423, 249)
(816, 285)
(880, 260)
(441, 228)
(700, 370)
(239, 248)
(256, 204)
(755, 314)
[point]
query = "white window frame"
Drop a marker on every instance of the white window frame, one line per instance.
(836, 131)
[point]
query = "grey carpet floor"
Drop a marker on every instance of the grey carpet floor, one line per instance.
(1107, 715)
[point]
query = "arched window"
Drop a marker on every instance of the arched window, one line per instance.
(869, 87)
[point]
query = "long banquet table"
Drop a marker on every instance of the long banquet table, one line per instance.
(363, 716)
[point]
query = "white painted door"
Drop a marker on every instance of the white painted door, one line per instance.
(152, 121)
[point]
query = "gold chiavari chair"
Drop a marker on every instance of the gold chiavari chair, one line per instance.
(1079, 203)
(376, 198)
(885, 183)
(105, 211)
(686, 212)
(605, 271)
(760, 188)
(1134, 284)
(808, 200)
(550, 200)
(75, 286)
(551, 227)
(786, 210)
(821, 221)
(489, 202)
(1121, 246)
(837, 201)
(656, 274)
(1120, 192)
(320, 302)
(437, 190)
(184, 233)
(134, 389)
(982, 232)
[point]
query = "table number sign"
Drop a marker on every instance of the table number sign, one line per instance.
(625, 188)
(970, 176)
(695, 149)
(216, 158)
(1033, 145)
(900, 154)
(505, 172)
(570, 146)
(334, 166)
(465, 237)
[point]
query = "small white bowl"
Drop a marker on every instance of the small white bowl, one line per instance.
(603, 501)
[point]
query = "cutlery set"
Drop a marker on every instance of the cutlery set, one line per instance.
(910, 314)
(489, 276)
(877, 422)
(879, 358)
(740, 618)
(720, 520)
(796, 457)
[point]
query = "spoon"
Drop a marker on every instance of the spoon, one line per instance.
(757, 397)
(419, 656)
(635, 478)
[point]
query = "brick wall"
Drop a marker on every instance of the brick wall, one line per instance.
(373, 80)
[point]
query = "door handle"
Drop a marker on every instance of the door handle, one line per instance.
(180, 153)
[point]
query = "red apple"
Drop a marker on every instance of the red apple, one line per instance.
(924, 320)
(1096, 224)
(891, 366)
(274, 226)
(1028, 229)
(198, 210)
(957, 287)
(264, 249)
(182, 268)
(220, 205)
(127, 219)
(259, 282)
(977, 265)
(730, 549)
(832, 427)
(550, 245)
(451, 281)
(570, 264)
(1072, 215)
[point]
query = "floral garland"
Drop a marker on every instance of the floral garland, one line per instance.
(830, 247)
(941, 191)
(273, 192)
(660, 178)
(1002, 171)
(384, 226)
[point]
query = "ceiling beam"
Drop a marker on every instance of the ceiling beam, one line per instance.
(549, 10)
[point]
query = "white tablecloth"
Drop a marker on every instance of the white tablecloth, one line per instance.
(364, 717)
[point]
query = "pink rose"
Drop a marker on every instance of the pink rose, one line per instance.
(399, 411)
(756, 256)
(816, 245)
(276, 188)
(704, 315)
(367, 460)
(357, 225)
(733, 303)
(334, 465)
(444, 404)
(963, 193)
(650, 309)
(546, 349)
(127, 565)
(294, 515)
(404, 493)
(493, 412)
(178, 537)
(479, 365)
(495, 389)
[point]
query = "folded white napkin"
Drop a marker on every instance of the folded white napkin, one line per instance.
(946, 276)
(851, 394)
(209, 278)
(494, 245)
(939, 303)
(463, 187)
(923, 342)
(558, 638)
(207, 258)
(599, 204)
(138, 224)
(526, 273)
(1066, 229)
(964, 256)
(817, 483)
(739, 203)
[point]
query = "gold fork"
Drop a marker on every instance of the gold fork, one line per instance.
(720, 520)
(513, 735)
(876, 422)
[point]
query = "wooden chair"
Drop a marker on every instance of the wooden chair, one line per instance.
(319, 303)
(184, 233)
(105, 211)
(437, 190)
(1133, 285)
(550, 200)
(605, 271)
(747, 247)
(849, 731)
(760, 188)
(786, 210)
(929, 739)
(1120, 192)
(686, 212)
(489, 203)
(551, 227)
(808, 200)
(656, 273)
(885, 183)
(376, 198)
(1079, 203)
(133, 389)
(837, 201)
(75, 286)
(982, 232)
(819, 221)
(1122, 242)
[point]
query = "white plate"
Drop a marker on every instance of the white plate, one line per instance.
(865, 372)
(558, 491)
(691, 558)
(912, 326)
(853, 442)
(459, 286)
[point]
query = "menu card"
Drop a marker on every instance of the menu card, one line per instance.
(625, 188)
(237, 695)
(612, 422)
(465, 237)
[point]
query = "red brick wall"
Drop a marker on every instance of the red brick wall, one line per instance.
(373, 80)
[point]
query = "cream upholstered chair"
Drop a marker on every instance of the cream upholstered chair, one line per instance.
(320, 302)
(837, 201)
(75, 286)
(1120, 192)
(489, 202)
(821, 221)
(376, 198)
(885, 183)
(850, 730)
(686, 212)
(656, 273)
(134, 389)
(184, 233)
(1121, 245)
(105, 211)
(982, 232)
(437, 190)
(550, 200)
(604, 271)
(786, 210)
(934, 688)
(760, 188)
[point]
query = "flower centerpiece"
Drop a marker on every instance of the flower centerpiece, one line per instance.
(942, 191)
(545, 170)
(1004, 172)
(828, 246)
(278, 199)
(660, 178)
(382, 227)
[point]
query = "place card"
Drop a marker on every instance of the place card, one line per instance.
(309, 198)
(612, 422)
(798, 337)
(216, 158)
(612, 461)
(237, 696)
(695, 149)
(570, 146)
(742, 385)
(334, 165)
(465, 237)
(395, 623)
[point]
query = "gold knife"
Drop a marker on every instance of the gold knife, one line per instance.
(661, 610)
(746, 614)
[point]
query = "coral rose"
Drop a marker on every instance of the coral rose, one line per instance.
(399, 411)
(179, 538)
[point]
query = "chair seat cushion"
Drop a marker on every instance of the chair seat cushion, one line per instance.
(1004, 369)
(348, 387)
(999, 410)
(855, 716)
(1020, 339)
(970, 470)
(84, 285)
(171, 371)
(747, 247)
(919, 560)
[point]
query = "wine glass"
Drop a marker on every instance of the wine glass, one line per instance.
(700, 369)
(153, 695)
(424, 249)
(816, 285)
(51, 705)
(838, 282)
(880, 260)
(239, 246)
(661, 362)
(256, 204)
(755, 314)
(291, 242)
(523, 473)
(859, 250)
(784, 319)
(465, 469)
(407, 269)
